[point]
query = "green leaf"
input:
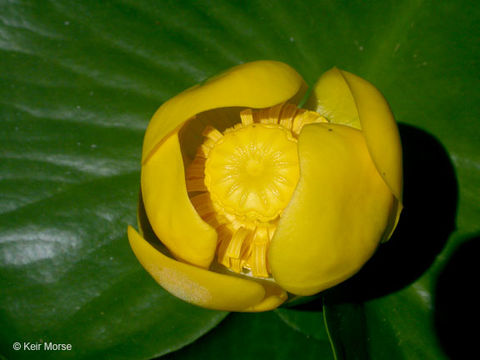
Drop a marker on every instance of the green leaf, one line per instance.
(69, 276)
(345, 322)
(78, 83)
(255, 336)
(310, 323)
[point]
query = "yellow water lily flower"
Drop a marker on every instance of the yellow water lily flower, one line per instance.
(255, 198)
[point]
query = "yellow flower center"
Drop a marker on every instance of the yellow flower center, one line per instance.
(251, 172)
(241, 181)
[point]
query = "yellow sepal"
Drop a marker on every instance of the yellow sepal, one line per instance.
(331, 97)
(255, 84)
(380, 131)
(202, 287)
(347, 99)
(170, 212)
(337, 214)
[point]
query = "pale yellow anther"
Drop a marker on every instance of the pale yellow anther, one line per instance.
(194, 185)
(274, 113)
(264, 116)
(235, 246)
(196, 169)
(201, 154)
(212, 219)
(202, 204)
(236, 265)
(247, 117)
(212, 133)
(287, 115)
(249, 174)
(222, 257)
(305, 117)
(259, 252)
(204, 149)
(287, 123)
(224, 233)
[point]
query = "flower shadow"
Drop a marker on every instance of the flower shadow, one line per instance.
(456, 301)
(427, 220)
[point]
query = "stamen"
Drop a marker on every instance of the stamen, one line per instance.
(269, 115)
(259, 252)
(196, 170)
(224, 236)
(203, 204)
(306, 117)
(236, 265)
(263, 116)
(274, 113)
(194, 185)
(207, 146)
(287, 115)
(234, 248)
(205, 150)
(213, 219)
(212, 133)
(246, 117)
(224, 233)
(247, 251)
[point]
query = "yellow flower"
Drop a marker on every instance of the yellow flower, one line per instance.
(273, 199)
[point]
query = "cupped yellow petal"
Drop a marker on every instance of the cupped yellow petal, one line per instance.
(199, 286)
(170, 212)
(338, 213)
(256, 84)
(347, 99)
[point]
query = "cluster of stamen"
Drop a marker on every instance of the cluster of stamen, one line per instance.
(241, 180)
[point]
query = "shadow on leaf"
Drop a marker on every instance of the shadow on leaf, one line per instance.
(456, 301)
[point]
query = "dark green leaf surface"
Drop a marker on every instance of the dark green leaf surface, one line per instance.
(347, 331)
(256, 336)
(310, 323)
(78, 83)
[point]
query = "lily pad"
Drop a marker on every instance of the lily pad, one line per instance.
(256, 336)
(310, 323)
(79, 82)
